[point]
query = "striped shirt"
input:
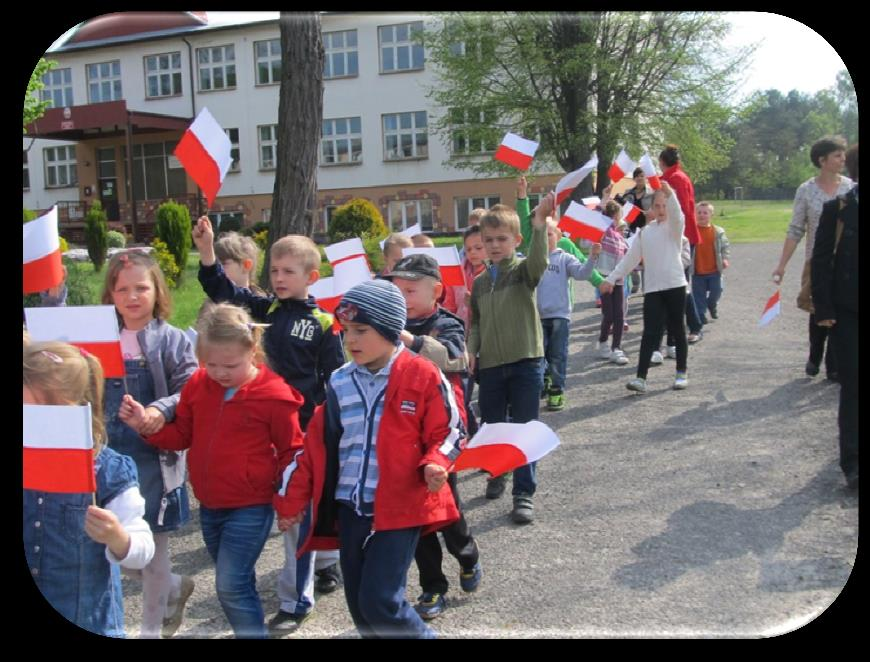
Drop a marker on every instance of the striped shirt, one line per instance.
(360, 396)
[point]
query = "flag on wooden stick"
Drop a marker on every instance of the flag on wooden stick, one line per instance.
(43, 268)
(502, 447)
(58, 449)
(516, 151)
(205, 151)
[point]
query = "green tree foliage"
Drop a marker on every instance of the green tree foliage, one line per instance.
(33, 107)
(116, 239)
(847, 100)
(357, 218)
(174, 229)
(96, 231)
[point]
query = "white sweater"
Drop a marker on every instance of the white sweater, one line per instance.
(658, 244)
(129, 507)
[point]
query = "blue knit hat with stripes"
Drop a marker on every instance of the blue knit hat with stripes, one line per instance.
(379, 304)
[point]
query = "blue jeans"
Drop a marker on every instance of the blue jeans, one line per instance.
(517, 385)
(706, 291)
(556, 349)
(235, 537)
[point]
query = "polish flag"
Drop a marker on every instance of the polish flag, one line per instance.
(630, 212)
(58, 449)
(408, 232)
(448, 261)
(572, 180)
(621, 167)
(771, 309)
(516, 151)
(650, 171)
(93, 328)
(322, 291)
(591, 202)
(42, 266)
(502, 447)
(205, 152)
(344, 250)
(583, 223)
(345, 274)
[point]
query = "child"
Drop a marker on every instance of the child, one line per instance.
(711, 259)
(158, 361)
(422, 241)
(375, 462)
(658, 244)
(506, 333)
(239, 420)
(439, 336)
(554, 309)
(303, 347)
(473, 265)
(613, 248)
(238, 256)
(74, 548)
(393, 246)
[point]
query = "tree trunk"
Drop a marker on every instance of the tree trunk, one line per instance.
(300, 113)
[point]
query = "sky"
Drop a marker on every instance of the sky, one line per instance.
(790, 54)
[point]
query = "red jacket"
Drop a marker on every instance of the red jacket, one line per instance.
(417, 428)
(678, 180)
(238, 447)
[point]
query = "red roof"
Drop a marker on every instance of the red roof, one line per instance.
(121, 24)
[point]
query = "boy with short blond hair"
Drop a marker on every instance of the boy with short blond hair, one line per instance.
(302, 345)
(422, 241)
(711, 260)
(506, 340)
(393, 246)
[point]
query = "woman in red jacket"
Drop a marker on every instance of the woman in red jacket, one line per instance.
(239, 420)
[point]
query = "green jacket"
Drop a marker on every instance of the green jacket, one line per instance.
(505, 326)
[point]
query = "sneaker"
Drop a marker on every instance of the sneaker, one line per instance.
(328, 579)
(469, 580)
(618, 357)
(555, 400)
(656, 358)
(681, 381)
(811, 369)
(173, 622)
(637, 384)
(695, 337)
(495, 487)
(604, 350)
(284, 622)
(548, 382)
(430, 605)
(714, 313)
(671, 351)
(523, 511)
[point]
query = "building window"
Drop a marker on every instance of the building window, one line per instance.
(233, 135)
(157, 174)
(402, 214)
(217, 67)
(104, 81)
(405, 136)
(266, 215)
(341, 141)
(328, 211)
(400, 48)
(232, 220)
(268, 136)
(60, 166)
(340, 57)
(464, 206)
(163, 75)
(267, 59)
(26, 173)
(58, 88)
(472, 131)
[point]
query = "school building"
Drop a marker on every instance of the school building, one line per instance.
(128, 84)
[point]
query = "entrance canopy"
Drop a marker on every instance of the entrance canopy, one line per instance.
(101, 120)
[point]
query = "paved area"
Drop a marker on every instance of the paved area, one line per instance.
(718, 511)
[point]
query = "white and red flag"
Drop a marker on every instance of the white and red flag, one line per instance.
(344, 250)
(448, 261)
(572, 180)
(516, 151)
(43, 268)
(583, 223)
(205, 151)
(345, 274)
(649, 170)
(630, 212)
(408, 232)
(92, 328)
(771, 309)
(621, 167)
(58, 449)
(591, 202)
(501, 447)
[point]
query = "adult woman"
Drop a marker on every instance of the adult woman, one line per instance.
(640, 196)
(828, 155)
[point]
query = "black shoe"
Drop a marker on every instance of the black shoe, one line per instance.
(523, 512)
(832, 377)
(284, 622)
(852, 481)
(714, 314)
(328, 579)
(811, 369)
(495, 487)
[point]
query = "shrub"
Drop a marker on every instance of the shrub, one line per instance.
(166, 261)
(116, 239)
(261, 238)
(64, 246)
(357, 218)
(96, 229)
(174, 229)
(29, 215)
(78, 291)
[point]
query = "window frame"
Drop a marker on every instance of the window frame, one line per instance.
(327, 216)
(398, 132)
(273, 142)
(70, 166)
(172, 72)
(489, 200)
(167, 159)
(268, 60)
(344, 50)
(26, 172)
(417, 212)
(236, 165)
(210, 65)
(48, 90)
(100, 81)
(467, 127)
(334, 138)
(395, 45)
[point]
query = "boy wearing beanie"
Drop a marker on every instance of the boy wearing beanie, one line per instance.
(375, 461)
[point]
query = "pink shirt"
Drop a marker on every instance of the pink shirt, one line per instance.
(130, 348)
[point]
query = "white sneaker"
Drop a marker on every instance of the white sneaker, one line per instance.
(672, 351)
(656, 358)
(637, 384)
(618, 357)
(604, 350)
(681, 381)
